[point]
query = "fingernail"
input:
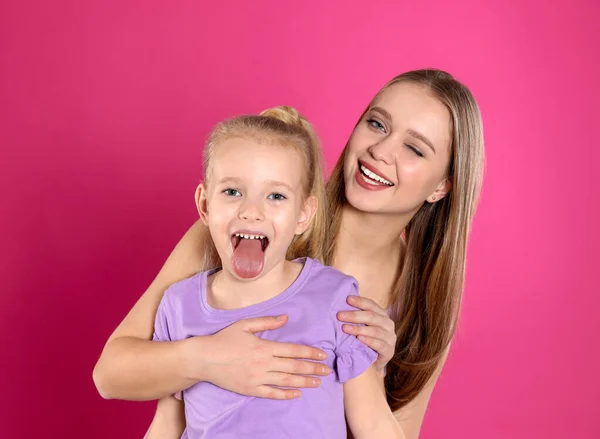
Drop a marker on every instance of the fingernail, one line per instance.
(281, 317)
(322, 355)
(351, 299)
(343, 315)
(325, 370)
(348, 328)
(316, 382)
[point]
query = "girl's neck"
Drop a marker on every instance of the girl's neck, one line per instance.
(225, 291)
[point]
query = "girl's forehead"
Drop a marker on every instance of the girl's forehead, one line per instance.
(251, 160)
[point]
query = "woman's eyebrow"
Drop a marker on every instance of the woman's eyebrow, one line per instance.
(381, 111)
(422, 138)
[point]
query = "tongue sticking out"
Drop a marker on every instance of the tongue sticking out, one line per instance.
(248, 258)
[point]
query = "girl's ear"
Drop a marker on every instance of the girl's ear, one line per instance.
(307, 214)
(202, 203)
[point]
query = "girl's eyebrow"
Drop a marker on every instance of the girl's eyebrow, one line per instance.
(229, 180)
(280, 183)
(267, 183)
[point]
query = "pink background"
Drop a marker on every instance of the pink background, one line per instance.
(104, 108)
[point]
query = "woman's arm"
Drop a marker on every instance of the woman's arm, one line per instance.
(367, 412)
(133, 367)
(169, 419)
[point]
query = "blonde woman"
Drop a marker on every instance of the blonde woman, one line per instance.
(401, 201)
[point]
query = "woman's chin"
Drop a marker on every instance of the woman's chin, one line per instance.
(364, 202)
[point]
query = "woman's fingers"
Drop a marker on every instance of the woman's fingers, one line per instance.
(291, 350)
(365, 304)
(378, 332)
(288, 380)
(378, 345)
(259, 324)
(370, 318)
(299, 367)
(368, 331)
(274, 393)
(376, 338)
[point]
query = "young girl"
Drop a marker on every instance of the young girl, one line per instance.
(263, 202)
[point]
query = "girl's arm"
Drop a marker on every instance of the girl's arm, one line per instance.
(410, 417)
(169, 419)
(133, 367)
(367, 412)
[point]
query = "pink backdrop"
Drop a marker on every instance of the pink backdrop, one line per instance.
(104, 109)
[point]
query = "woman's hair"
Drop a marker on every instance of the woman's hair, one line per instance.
(281, 127)
(428, 292)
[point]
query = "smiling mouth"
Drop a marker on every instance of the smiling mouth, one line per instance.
(236, 238)
(371, 177)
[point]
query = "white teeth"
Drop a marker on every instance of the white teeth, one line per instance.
(374, 177)
(368, 180)
(242, 235)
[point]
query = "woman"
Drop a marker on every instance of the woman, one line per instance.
(402, 198)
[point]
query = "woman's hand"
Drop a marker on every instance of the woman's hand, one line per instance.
(379, 333)
(237, 360)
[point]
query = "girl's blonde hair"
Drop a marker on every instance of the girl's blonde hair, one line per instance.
(280, 127)
(427, 295)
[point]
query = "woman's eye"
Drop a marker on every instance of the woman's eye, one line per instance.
(276, 196)
(232, 193)
(376, 124)
(415, 150)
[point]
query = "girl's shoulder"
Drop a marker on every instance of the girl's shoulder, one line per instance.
(192, 286)
(335, 284)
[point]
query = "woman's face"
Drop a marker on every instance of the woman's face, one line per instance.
(398, 155)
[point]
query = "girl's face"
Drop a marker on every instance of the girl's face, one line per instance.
(398, 154)
(254, 204)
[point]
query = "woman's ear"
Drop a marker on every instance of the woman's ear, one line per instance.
(441, 191)
(202, 203)
(306, 214)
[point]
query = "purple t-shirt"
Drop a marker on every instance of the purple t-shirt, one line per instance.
(311, 303)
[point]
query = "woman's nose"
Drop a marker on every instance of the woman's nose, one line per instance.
(383, 151)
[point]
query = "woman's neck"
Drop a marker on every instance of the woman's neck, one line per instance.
(369, 236)
(370, 248)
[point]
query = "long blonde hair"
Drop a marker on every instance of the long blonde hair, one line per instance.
(281, 127)
(426, 296)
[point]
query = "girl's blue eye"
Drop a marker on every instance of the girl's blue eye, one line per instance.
(232, 192)
(276, 196)
(376, 124)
